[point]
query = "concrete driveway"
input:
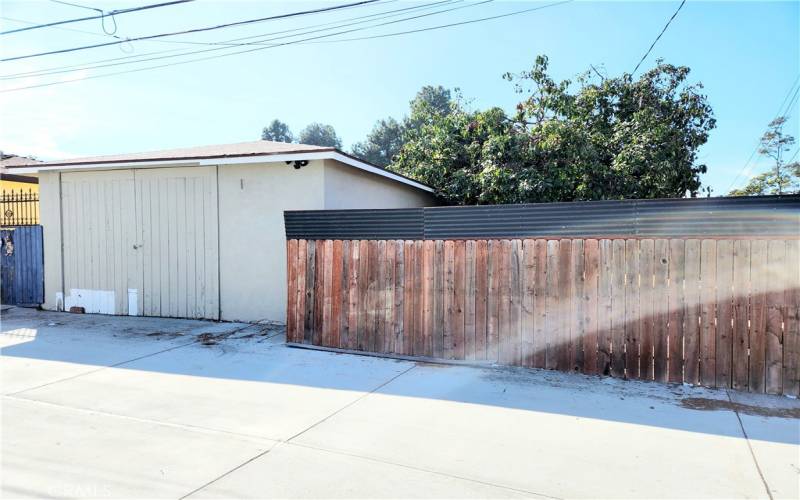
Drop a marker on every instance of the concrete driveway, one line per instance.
(98, 406)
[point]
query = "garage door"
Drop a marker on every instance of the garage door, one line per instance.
(142, 241)
(179, 243)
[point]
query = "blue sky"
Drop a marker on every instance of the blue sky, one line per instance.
(746, 54)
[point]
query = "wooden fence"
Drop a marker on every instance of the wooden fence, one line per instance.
(715, 312)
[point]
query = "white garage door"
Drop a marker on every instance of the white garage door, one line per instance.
(142, 241)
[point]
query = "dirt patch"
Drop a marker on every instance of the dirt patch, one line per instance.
(207, 339)
(706, 404)
(164, 334)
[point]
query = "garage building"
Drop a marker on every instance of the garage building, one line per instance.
(196, 232)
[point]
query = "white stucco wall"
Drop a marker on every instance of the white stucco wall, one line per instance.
(50, 217)
(252, 199)
(347, 187)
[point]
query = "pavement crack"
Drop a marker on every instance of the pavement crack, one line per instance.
(231, 471)
(420, 469)
(351, 403)
(174, 425)
(750, 447)
(101, 368)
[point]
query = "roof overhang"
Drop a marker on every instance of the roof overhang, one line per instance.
(228, 160)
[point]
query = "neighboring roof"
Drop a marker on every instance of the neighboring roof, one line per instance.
(252, 151)
(9, 160)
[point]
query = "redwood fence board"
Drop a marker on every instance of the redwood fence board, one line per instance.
(715, 312)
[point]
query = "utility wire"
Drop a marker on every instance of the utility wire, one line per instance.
(431, 28)
(657, 38)
(336, 25)
(783, 111)
(253, 49)
(77, 5)
(194, 30)
(111, 13)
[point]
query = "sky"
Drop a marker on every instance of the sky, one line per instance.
(746, 55)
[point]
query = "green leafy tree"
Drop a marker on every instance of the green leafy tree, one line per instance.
(318, 134)
(596, 138)
(783, 178)
(277, 131)
(388, 136)
(382, 143)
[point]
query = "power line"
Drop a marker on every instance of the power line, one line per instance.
(103, 15)
(793, 156)
(77, 5)
(657, 38)
(783, 110)
(110, 13)
(253, 49)
(336, 24)
(194, 30)
(431, 28)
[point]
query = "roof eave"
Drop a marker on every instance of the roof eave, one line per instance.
(326, 154)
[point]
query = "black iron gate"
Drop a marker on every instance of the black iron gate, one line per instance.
(21, 266)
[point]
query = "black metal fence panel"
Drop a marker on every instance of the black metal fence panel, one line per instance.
(688, 217)
(19, 207)
(406, 224)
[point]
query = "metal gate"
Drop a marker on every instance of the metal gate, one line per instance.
(21, 266)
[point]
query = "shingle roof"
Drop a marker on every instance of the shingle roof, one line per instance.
(238, 149)
(17, 161)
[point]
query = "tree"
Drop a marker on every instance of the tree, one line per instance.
(388, 136)
(783, 178)
(382, 143)
(318, 134)
(277, 131)
(609, 138)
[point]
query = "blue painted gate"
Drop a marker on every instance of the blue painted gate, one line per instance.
(21, 266)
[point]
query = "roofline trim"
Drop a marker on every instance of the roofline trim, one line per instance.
(330, 154)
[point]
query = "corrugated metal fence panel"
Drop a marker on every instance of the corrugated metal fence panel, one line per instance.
(731, 217)
(740, 216)
(404, 224)
(543, 219)
(22, 263)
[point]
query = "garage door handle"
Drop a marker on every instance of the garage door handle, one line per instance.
(137, 247)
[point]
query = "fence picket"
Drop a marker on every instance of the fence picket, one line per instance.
(759, 265)
(791, 334)
(469, 300)
(691, 323)
(724, 299)
(677, 268)
(661, 310)
(458, 299)
(591, 266)
(428, 295)
(618, 308)
(646, 311)
(632, 323)
(481, 293)
(776, 285)
(528, 283)
(740, 374)
(708, 312)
